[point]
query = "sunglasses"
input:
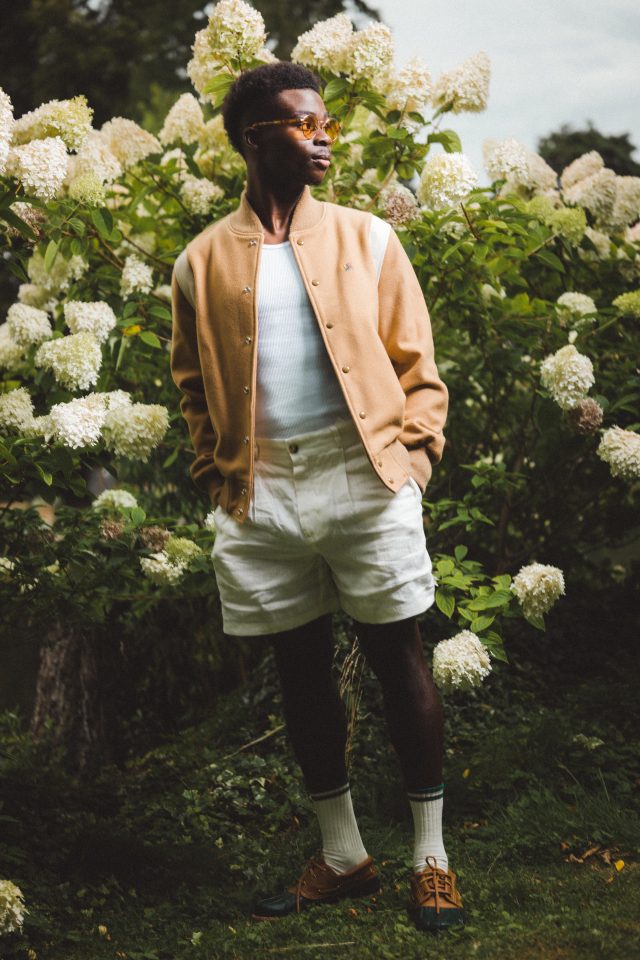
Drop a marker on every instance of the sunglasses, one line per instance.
(307, 124)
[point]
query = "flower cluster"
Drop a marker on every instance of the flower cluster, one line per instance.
(506, 157)
(369, 54)
(581, 168)
(577, 303)
(68, 119)
(28, 325)
(596, 193)
(184, 123)
(398, 204)
(409, 90)
(75, 359)
(60, 276)
(95, 157)
(537, 586)
(128, 142)
(210, 521)
(96, 317)
(586, 416)
(461, 662)
(466, 88)
(137, 276)
(16, 409)
(325, 43)
(87, 189)
(629, 303)
(199, 194)
(169, 565)
(134, 430)
(621, 450)
(40, 166)
(11, 352)
(235, 32)
(446, 179)
(6, 127)
(12, 908)
(113, 501)
(567, 375)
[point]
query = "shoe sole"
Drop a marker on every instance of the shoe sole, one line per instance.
(366, 889)
(414, 914)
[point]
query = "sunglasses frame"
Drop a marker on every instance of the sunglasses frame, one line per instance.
(298, 121)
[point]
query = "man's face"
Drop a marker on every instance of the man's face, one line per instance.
(284, 154)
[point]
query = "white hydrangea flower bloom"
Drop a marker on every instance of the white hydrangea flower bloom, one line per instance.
(16, 409)
(114, 500)
(540, 176)
(210, 521)
(40, 166)
(398, 204)
(161, 570)
(96, 317)
(11, 352)
(128, 142)
(567, 375)
(446, 179)
(68, 119)
(506, 157)
(467, 87)
(409, 90)
(199, 194)
(180, 156)
(164, 291)
(581, 168)
(181, 550)
(369, 54)
(95, 157)
(537, 586)
(488, 293)
(628, 303)
(6, 128)
(621, 450)
(589, 743)
(325, 45)
(77, 423)
(75, 359)
(601, 242)
(578, 303)
(596, 193)
(115, 399)
(136, 276)
(461, 662)
(87, 189)
(133, 431)
(62, 273)
(7, 566)
(203, 66)
(28, 325)
(626, 206)
(12, 908)
(235, 30)
(184, 122)
(40, 427)
(36, 296)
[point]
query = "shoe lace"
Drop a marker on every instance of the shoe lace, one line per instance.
(314, 864)
(437, 884)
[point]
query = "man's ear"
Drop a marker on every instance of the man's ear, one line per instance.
(249, 138)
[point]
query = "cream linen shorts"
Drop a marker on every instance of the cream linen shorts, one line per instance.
(322, 533)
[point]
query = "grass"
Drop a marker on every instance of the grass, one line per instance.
(161, 860)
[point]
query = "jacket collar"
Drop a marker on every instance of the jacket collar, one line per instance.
(307, 213)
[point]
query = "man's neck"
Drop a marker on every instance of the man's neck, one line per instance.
(274, 208)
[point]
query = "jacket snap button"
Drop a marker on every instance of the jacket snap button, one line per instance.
(248, 339)
(246, 389)
(328, 326)
(239, 511)
(379, 462)
(244, 491)
(346, 369)
(390, 479)
(314, 283)
(252, 243)
(245, 439)
(300, 242)
(362, 414)
(246, 290)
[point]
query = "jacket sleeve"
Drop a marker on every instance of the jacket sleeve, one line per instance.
(187, 375)
(405, 329)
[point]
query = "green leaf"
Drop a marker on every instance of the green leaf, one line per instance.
(149, 337)
(478, 624)
(445, 602)
(218, 87)
(17, 223)
(537, 622)
(46, 476)
(497, 599)
(50, 254)
(449, 140)
(173, 456)
(551, 260)
(163, 313)
(460, 551)
(494, 644)
(124, 342)
(18, 270)
(335, 89)
(77, 225)
(99, 222)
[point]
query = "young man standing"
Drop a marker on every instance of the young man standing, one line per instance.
(302, 346)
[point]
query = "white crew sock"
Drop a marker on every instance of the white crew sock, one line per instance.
(426, 807)
(342, 846)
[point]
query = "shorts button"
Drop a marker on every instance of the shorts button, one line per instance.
(293, 448)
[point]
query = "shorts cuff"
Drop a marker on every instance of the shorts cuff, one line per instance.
(366, 612)
(277, 622)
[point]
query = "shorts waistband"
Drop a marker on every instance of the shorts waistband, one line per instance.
(343, 433)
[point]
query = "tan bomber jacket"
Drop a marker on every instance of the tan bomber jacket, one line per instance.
(377, 333)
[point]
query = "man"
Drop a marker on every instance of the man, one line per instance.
(303, 349)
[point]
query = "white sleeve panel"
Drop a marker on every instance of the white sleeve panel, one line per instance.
(184, 276)
(378, 239)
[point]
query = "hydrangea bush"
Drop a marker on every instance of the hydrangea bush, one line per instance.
(532, 282)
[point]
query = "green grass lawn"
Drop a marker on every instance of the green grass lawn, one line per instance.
(162, 858)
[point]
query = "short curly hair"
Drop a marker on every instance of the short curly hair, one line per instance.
(253, 92)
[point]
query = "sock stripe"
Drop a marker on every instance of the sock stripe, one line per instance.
(330, 794)
(427, 793)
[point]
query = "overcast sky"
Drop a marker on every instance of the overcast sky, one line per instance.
(552, 62)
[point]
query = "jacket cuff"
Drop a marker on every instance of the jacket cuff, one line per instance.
(421, 467)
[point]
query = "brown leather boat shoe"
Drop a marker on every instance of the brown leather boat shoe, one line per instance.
(319, 884)
(435, 902)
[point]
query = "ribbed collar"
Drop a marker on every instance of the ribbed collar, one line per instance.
(308, 212)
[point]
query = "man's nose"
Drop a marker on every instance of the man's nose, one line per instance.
(321, 136)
